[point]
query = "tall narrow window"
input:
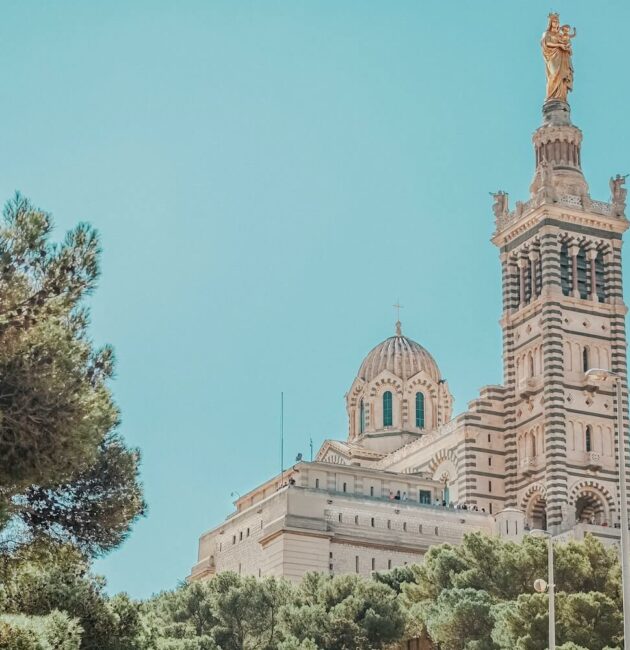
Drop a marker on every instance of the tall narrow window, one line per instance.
(585, 358)
(588, 442)
(361, 417)
(388, 417)
(356, 563)
(420, 410)
(565, 273)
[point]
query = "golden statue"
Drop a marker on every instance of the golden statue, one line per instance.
(556, 48)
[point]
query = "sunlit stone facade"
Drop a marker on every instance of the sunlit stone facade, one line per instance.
(537, 451)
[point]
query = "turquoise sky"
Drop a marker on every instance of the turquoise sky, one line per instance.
(268, 178)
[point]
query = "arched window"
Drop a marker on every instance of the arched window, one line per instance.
(588, 438)
(420, 410)
(585, 358)
(530, 361)
(388, 416)
(361, 417)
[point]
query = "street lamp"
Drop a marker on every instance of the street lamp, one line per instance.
(541, 586)
(600, 374)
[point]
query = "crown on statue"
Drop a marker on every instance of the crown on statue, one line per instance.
(552, 15)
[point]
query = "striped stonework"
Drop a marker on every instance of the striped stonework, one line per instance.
(551, 390)
(618, 334)
(553, 378)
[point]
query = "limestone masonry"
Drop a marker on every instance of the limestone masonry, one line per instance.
(538, 451)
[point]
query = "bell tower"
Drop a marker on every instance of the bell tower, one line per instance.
(563, 313)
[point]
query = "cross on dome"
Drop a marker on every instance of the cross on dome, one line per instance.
(398, 307)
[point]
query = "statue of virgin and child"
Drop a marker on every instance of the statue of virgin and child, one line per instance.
(557, 52)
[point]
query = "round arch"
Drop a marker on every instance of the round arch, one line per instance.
(592, 501)
(534, 504)
(444, 470)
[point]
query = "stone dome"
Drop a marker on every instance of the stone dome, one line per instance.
(401, 356)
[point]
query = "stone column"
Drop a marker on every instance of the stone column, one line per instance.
(510, 278)
(591, 256)
(533, 258)
(522, 265)
(618, 336)
(554, 410)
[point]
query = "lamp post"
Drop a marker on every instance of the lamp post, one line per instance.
(600, 374)
(540, 586)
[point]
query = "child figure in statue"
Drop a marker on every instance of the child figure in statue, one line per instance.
(566, 36)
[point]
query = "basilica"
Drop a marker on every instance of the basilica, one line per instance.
(538, 451)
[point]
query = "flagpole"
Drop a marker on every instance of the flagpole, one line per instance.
(281, 438)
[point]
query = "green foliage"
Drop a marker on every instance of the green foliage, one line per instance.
(14, 637)
(522, 624)
(591, 620)
(59, 579)
(461, 618)
(64, 473)
(396, 577)
(94, 510)
(344, 613)
(481, 591)
(341, 613)
(347, 612)
(231, 612)
(54, 404)
(57, 631)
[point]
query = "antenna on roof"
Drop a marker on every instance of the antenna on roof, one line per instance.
(281, 438)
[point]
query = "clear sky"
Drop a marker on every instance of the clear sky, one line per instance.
(268, 178)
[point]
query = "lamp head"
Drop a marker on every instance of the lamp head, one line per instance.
(599, 374)
(540, 586)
